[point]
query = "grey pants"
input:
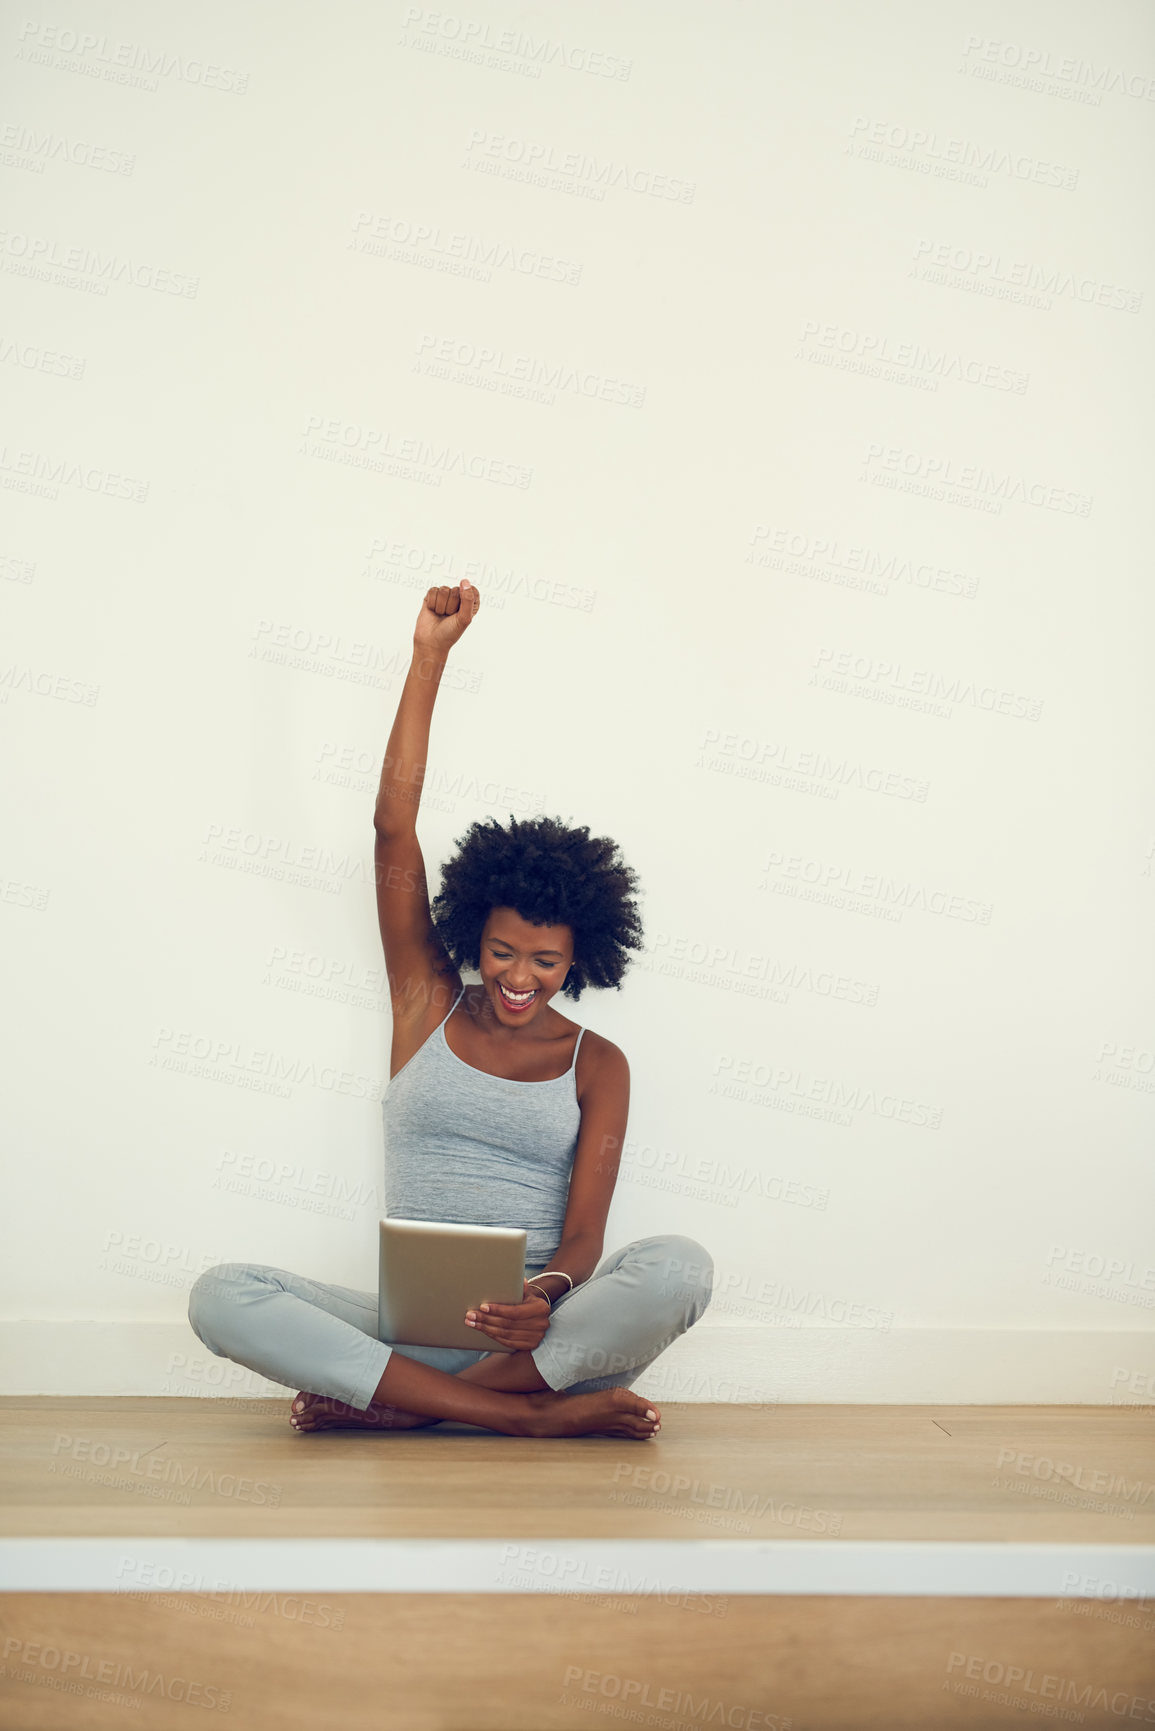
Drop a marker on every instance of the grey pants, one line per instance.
(323, 1339)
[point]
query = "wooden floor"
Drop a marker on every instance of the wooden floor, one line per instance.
(224, 1468)
(465, 1663)
(442, 1659)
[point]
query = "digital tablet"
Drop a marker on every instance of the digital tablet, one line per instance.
(433, 1271)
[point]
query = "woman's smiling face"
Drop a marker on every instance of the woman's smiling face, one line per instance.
(522, 965)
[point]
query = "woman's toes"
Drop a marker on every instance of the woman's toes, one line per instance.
(303, 1412)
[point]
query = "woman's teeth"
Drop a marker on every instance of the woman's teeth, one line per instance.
(516, 1000)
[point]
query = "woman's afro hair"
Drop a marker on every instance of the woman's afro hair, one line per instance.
(551, 875)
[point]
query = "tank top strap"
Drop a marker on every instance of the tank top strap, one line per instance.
(577, 1047)
(440, 1029)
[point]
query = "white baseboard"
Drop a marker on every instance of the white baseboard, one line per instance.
(228, 1568)
(915, 1366)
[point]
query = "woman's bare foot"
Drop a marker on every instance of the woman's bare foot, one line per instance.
(317, 1412)
(609, 1412)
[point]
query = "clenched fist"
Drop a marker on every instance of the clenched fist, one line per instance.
(445, 615)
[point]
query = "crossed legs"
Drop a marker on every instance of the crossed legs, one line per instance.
(601, 1337)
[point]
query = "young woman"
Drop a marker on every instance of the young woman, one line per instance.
(499, 1112)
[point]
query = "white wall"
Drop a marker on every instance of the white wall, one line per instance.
(795, 426)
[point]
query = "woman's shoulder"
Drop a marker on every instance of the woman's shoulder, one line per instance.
(598, 1047)
(600, 1063)
(601, 1071)
(594, 1046)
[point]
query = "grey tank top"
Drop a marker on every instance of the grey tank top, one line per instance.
(480, 1150)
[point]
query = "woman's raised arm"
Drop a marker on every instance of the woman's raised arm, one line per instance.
(415, 961)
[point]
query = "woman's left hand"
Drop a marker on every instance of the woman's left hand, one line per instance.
(519, 1327)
